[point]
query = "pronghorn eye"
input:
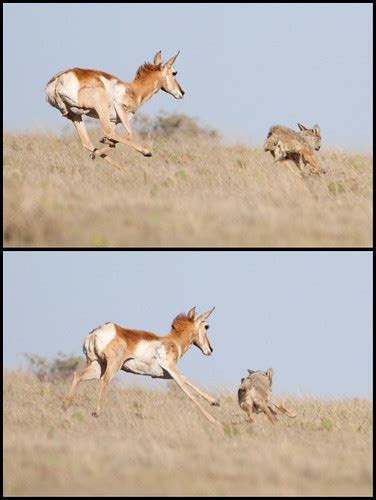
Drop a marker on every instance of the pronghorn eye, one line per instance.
(206, 327)
(174, 73)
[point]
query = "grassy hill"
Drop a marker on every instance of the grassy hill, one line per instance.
(158, 443)
(194, 191)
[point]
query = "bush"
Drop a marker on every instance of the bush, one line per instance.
(171, 125)
(62, 366)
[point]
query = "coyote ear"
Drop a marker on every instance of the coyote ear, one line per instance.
(157, 57)
(191, 313)
(269, 374)
(302, 127)
(316, 129)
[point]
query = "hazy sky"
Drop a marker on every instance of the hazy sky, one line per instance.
(306, 314)
(243, 67)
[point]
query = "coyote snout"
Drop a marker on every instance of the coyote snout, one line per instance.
(287, 144)
(255, 396)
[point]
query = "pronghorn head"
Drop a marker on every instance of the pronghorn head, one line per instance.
(168, 75)
(311, 135)
(201, 330)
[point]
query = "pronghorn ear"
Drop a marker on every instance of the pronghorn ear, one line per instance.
(191, 313)
(157, 58)
(171, 61)
(301, 127)
(204, 316)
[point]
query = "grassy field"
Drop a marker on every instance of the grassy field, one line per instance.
(194, 191)
(157, 443)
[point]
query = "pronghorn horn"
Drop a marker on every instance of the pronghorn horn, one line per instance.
(250, 371)
(191, 313)
(204, 316)
(171, 61)
(157, 57)
(302, 127)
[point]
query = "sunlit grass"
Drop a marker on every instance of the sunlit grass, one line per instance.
(157, 443)
(194, 191)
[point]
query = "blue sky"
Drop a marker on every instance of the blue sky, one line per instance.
(306, 314)
(244, 67)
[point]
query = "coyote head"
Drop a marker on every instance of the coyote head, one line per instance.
(311, 135)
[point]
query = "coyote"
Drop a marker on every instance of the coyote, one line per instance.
(287, 144)
(255, 396)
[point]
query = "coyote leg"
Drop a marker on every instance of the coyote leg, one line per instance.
(265, 408)
(307, 157)
(92, 371)
(248, 408)
(87, 144)
(281, 408)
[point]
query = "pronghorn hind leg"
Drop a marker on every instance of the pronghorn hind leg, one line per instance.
(92, 371)
(87, 144)
(115, 359)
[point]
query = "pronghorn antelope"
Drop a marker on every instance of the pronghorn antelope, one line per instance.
(255, 395)
(77, 92)
(110, 348)
(287, 144)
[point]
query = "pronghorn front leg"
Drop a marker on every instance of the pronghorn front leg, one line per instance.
(212, 401)
(180, 382)
(104, 117)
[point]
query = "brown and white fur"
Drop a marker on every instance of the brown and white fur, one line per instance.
(110, 348)
(255, 396)
(286, 144)
(78, 92)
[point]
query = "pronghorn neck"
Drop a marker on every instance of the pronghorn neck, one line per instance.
(184, 340)
(144, 89)
(182, 333)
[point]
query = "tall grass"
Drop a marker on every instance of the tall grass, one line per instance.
(158, 443)
(194, 191)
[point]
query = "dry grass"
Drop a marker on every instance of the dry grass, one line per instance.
(192, 192)
(157, 443)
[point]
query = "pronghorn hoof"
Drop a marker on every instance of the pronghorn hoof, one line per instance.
(147, 153)
(216, 403)
(92, 154)
(95, 414)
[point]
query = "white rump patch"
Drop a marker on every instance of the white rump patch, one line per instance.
(98, 339)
